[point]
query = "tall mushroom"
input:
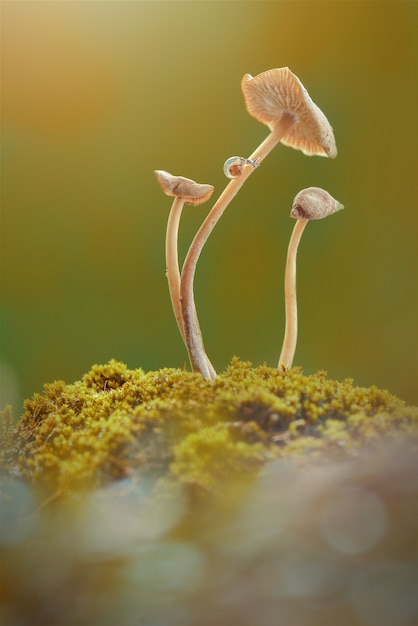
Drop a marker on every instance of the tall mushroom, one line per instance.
(273, 97)
(312, 203)
(276, 98)
(184, 191)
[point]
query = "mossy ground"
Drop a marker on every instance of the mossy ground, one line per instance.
(174, 425)
(123, 502)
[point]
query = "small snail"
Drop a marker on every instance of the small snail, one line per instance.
(233, 167)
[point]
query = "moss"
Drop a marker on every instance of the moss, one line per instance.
(7, 437)
(171, 424)
(209, 455)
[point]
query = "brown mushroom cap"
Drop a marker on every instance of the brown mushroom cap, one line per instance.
(185, 188)
(278, 92)
(314, 203)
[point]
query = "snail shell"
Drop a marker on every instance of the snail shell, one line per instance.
(234, 166)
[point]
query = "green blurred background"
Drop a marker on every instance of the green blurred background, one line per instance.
(96, 95)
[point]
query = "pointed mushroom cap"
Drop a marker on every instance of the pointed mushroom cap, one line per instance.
(278, 92)
(314, 203)
(180, 187)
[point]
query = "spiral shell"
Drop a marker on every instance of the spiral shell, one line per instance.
(234, 166)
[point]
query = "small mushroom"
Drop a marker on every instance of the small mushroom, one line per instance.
(185, 188)
(184, 191)
(312, 203)
(277, 98)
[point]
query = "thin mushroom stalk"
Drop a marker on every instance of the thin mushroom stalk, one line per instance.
(185, 191)
(291, 308)
(312, 203)
(276, 98)
(192, 333)
(171, 255)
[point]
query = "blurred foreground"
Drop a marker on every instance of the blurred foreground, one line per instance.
(332, 544)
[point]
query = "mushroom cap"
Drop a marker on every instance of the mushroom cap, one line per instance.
(278, 92)
(314, 203)
(185, 188)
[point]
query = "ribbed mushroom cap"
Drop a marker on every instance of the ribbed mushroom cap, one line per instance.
(314, 203)
(278, 92)
(180, 187)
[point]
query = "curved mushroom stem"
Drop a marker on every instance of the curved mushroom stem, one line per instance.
(171, 255)
(291, 328)
(192, 335)
(195, 348)
(173, 272)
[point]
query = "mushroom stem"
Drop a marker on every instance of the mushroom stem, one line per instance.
(312, 203)
(192, 334)
(291, 328)
(173, 272)
(195, 348)
(171, 255)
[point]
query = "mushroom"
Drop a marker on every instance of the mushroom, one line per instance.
(312, 203)
(184, 191)
(276, 98)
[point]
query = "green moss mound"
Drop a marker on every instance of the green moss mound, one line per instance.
(171, 424)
